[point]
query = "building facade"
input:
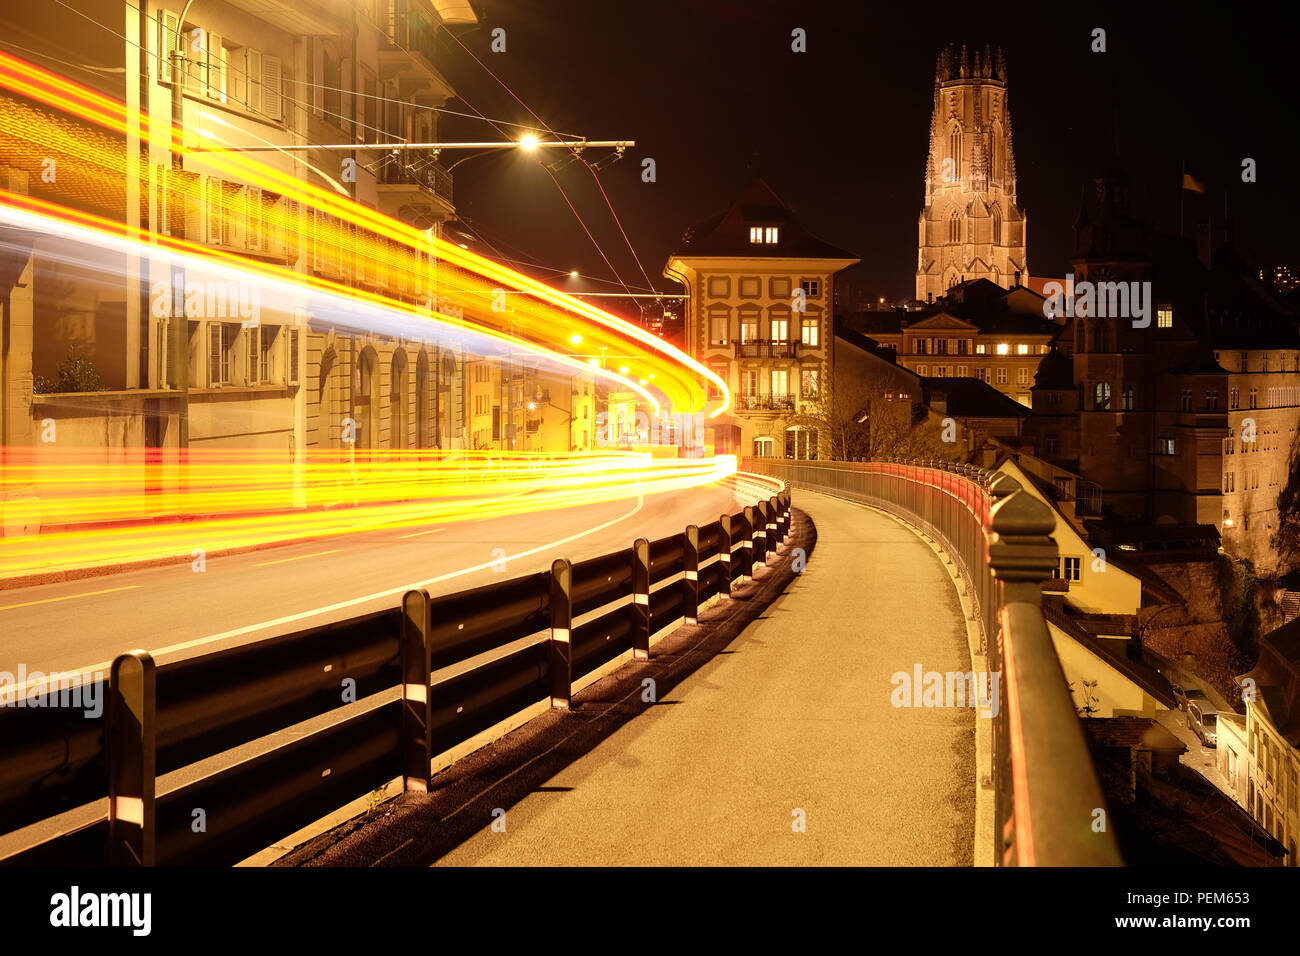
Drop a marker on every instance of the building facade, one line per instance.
(760, 315)
(971, 226)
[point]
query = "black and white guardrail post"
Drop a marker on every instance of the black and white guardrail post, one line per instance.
(130, 734)
(641, 600)
(691, 568)
(417, 707)
(560, 650)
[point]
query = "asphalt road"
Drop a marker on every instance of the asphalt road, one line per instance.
(175, 612)
(775, 740)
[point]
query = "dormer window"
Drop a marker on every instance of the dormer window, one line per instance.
(764, 235)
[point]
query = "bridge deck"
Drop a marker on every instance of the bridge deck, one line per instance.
(795, 714)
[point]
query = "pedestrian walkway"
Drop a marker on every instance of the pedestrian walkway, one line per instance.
(785, 749)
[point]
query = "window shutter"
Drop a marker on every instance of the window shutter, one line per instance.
(213, 195)
(255, 217)
(291, 373)
(253, 76)
(216, 53)
(214, 353)
(272, 88)
(167, 27)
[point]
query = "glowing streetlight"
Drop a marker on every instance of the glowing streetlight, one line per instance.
(575, 338)
(528, 143)
(622, 370)
(573, 273)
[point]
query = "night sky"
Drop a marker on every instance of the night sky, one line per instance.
(712, 91)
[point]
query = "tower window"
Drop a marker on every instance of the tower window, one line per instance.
(997, 226)
(954, 227)
(1102, 396)
(1165, 317)
(954, 152)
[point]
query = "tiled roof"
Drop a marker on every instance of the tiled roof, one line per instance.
(726, 235)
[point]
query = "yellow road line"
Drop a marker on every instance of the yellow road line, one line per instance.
(69, 597)
(298, 558)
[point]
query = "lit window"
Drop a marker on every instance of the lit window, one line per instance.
(981, 349)
(1022, 349)
(755, 234)
(1070, 571)
(771, 234)
(1165, 317)
(1004, 348)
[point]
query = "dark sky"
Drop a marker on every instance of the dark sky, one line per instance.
(712, 91)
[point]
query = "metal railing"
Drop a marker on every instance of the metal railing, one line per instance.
(159, 719)
(416, 171)
(759, 348)
(765, 403)
(1046, 792)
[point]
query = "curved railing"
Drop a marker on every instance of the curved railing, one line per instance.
(1047, 796)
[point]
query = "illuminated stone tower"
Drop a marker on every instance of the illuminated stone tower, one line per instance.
(971, 226)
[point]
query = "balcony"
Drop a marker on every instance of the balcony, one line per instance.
(415, 190)
(765, 403)
(770, 349)
(409, 53)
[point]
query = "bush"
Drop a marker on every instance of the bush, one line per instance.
(76, 374)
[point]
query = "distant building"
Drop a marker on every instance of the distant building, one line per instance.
(1184, 415)
(971, 226)
(759, 314)
(976, 329)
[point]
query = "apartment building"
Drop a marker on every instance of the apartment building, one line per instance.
(760, 315)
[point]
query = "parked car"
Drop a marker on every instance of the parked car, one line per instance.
(1184, 694)
(1203, 720)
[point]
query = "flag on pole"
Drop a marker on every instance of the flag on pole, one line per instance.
(1191, 183)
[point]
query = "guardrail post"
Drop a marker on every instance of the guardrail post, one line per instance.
(724, 555)
(691, 565)
(560, 652)
(417, 712)
(760, 533)
(641, 600)
(130, 737)
(773, 509)
(747, 560)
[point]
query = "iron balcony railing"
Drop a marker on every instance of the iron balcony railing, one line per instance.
(765, 403)
(1046, 793)
(414, 171)
(759, 348)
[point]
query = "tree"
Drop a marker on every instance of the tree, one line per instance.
(76, 374)
(868, 416)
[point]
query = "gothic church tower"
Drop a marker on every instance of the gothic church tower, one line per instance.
(971, 226)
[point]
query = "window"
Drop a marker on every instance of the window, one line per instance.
(810, 332)
(720, 371)
(764, 235)
(1126, 398)
(997, 226)
(1004, 348)
(755, 234)
(940, 346)
(981, 349)
(1185, 400)
(808, 382)
(1070, 568)
(1022, 349)
(963, 346)
(719, 287)
(719, 319)
(1254, 398)
(1022, 376)
(811, 287)
(963, 371)
(920, 346)
(954, 152)
(1229, 482)
(1165, 446)
(780, 287)
(260, 341)
(749, 325)
(780, 326)
(1051, 444)
(1211, 401)
(923, 370)
(221, 340)
(1229, 444)
(1101, 396)
(780, 382)
(954, 227)
(1164, 317)
(751, 287)
(1244, 363)
(1234, 398)
(749, 382)
(1002, 376)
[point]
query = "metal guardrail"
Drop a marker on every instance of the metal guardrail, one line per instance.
(1046, 790)
(158, 719)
